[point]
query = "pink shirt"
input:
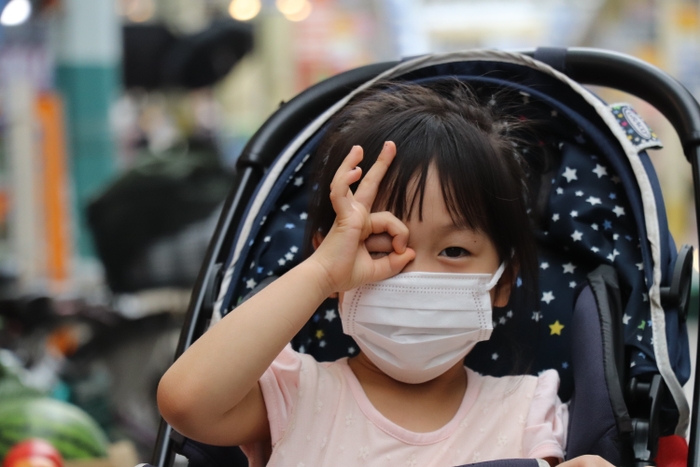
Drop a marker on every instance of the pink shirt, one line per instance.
(320, 416)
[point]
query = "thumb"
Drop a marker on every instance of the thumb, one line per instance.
(393, 263)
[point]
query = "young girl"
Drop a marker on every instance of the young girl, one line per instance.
(420, 226)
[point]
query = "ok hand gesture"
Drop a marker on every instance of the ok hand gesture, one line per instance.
(343, 253)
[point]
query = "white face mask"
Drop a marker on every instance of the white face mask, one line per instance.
(417, 325)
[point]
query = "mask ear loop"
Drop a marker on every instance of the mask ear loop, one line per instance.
(496, 276)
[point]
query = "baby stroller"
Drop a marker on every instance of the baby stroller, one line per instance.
(614, 288)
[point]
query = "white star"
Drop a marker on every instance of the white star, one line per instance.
(593, 200)
(502, 320)
(281, 261)
(613, 255)
(640, 266)
(569, 268)
(579, 193)
(594, 226)
(294, 249)
(600, 170)
(572, 285)
(266, 239)
(544, 265)
(595, 249)
(619, 211)
(645, 297)
(560, 191)
(509, 313)
(573, 213)
(298, 181)
(536, 315)
(626, 318)
(303, 216)
(547, 297)
(322, 344)
(569, 174)
(284, 207)
(330, 315)
(494, 356)
(250, 284)
(289, 256)
(577, 236)
(616, 236)
(555, 217)
(351, 350)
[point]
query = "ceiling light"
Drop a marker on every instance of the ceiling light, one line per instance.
(244, 10)
(16, 12)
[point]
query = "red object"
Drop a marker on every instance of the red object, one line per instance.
(673, 452)
(33, 453)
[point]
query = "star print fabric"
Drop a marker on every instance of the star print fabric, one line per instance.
(589, 219)
(279, 246)
(319, 414)
(583, 218)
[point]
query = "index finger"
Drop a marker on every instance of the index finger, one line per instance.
(367, 190)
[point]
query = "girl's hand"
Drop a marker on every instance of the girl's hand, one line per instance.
(343, 254)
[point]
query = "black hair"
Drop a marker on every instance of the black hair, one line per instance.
(472, 144)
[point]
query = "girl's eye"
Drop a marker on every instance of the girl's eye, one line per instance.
(454, 252)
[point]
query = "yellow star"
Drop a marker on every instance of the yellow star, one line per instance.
(319, 334)
(556, 328)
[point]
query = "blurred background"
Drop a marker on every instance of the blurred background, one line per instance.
(120, 124)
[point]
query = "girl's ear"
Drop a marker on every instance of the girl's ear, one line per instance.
(505, 286)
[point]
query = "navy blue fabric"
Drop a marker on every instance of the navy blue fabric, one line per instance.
(287, 227)
(592, 425)
(676, 331)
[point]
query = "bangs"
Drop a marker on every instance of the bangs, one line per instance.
(439, 144)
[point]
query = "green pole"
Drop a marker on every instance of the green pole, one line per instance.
(88, 43)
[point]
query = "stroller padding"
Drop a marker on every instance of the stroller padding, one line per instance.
(598, 410)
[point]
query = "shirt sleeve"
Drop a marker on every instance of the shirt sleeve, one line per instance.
(547, 421)
(280, 389)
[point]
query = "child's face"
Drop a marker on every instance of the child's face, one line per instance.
(440, 245)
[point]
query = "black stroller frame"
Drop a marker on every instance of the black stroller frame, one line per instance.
(582, 65)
